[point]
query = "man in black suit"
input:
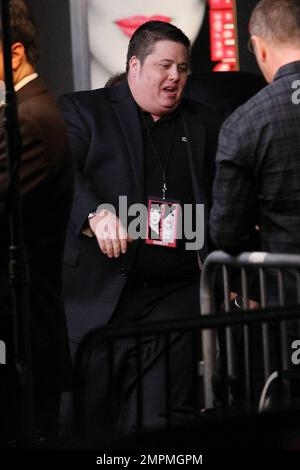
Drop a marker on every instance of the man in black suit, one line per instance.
(46, 186)
(142, 141)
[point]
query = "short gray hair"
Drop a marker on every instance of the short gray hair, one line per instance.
(276, 20)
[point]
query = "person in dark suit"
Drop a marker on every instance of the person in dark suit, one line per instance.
(257, 182)
(142, 141)
(46, 187)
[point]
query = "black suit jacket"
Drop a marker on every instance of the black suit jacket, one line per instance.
(46, 182)
(107, 147)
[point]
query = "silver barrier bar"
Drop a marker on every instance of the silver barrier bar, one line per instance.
(229, 346)
(265, 327)
(209, 340)
(244, 283)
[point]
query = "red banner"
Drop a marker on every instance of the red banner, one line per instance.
(223, 34)
(217, 4)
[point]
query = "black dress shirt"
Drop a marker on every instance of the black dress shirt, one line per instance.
(152, 261)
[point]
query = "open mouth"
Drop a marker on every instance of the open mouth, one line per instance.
(129, 25)
(170, 90)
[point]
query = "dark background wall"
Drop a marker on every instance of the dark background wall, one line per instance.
(247, 60)
(52, 18)
(53, 21)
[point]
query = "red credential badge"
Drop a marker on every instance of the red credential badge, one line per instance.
(162, 222)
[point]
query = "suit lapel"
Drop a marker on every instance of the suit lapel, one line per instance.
(194, 130)
(195, 133)
(127, 113)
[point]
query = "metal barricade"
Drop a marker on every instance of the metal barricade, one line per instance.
(217, 331)
(110, 340)
(270, 268)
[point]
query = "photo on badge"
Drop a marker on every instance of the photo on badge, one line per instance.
(162, 223)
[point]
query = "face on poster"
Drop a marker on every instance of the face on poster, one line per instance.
(111, 23)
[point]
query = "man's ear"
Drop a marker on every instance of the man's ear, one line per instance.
(18, 55)
(260, 49)
(134, 65)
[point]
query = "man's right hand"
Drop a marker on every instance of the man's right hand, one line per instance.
(111, 235)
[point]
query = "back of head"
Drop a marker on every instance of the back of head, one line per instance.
(277, 21)
(144, 38)
(23, 29)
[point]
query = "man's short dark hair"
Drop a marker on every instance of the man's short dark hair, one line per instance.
(144, 38)
(276, 20)
(23, 29)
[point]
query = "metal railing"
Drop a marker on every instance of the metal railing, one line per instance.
(109, 339)
(260, 263)
(217, 331)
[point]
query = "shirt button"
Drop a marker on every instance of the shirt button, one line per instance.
(124, 272)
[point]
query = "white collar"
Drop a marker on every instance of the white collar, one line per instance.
(25, 80)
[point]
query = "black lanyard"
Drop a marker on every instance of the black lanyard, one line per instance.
(158, 155)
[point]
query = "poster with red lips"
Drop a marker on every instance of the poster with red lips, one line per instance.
(130, 25)
(101, 30)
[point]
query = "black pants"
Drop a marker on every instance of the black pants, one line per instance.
(114, 406)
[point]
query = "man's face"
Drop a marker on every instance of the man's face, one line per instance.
(157, 85)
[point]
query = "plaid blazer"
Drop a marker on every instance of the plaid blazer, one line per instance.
(257, 178)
